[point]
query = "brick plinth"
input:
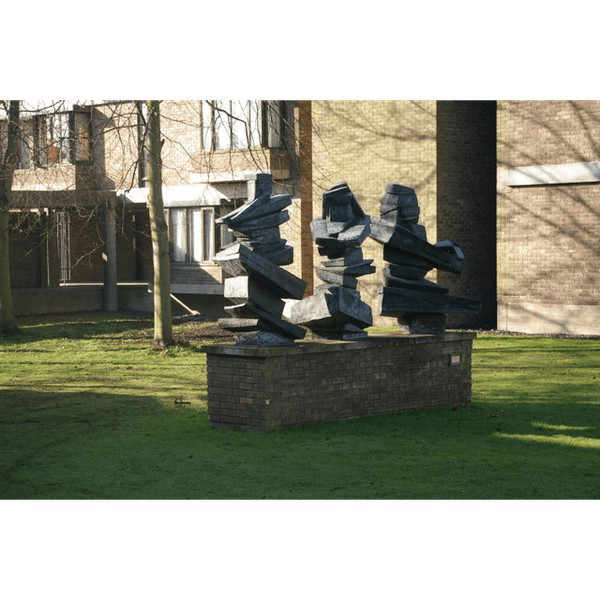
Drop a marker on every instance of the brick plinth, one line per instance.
(319, 381)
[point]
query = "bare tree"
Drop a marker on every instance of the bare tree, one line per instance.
(163, 328)
(7, 168)
(70, 165)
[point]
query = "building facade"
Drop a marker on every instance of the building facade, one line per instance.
(446, 152)
(79, 214)
(549, 216)
(515, 183)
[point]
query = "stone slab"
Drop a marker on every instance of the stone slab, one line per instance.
(267, 321)
(422, 324)
(244, 289)
(331, 308)
(258, 207)
(238, 260)
(402, 239)
(419, 285)
(363, 267)
(251, 226)
(350, 257)
(394, 302)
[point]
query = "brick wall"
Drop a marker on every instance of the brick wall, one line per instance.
(548, 248)
(25, 251)
(312, 382)
(369, 144)
(466, 202)
(446, 151)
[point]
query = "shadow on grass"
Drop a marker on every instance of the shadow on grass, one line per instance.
(77, 326)
(61, 445)
(89, 446)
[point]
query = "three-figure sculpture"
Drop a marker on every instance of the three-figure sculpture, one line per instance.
(335, 310)
(260, 285)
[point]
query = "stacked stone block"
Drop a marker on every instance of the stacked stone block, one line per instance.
(419, 305)
(258, 283)
(336, 310)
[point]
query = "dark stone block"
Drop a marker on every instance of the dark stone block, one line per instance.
(258, 207)
(238, 260)
(348, 333)
(394, 302)
(355, 233)
(280, 256)
(340, 193)
(399, 190)
(260, 237)
(266, 321)
(422, 324)
(340, 212)
(350, 257)
(399, 215)
(243, 289)
(400, 238)
(421, 285)
(234, 324)
(398, 257)
(408, 272)
(251, 226)
(364, 267)
(331, 309)
(262, 339)
(337, 279)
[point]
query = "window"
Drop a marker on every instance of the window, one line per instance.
(192, 234)
(239, 124)
(62, 138)
(52, 139)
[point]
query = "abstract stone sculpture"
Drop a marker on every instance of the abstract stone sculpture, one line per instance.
(335, 310)
(419, 305)
(259, 284)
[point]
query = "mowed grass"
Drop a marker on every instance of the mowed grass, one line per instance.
(90, 410)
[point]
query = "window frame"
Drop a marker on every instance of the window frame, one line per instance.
(69, 133)
(183, 247)
(262, 123)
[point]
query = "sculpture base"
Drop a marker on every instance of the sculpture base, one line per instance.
(320, 381)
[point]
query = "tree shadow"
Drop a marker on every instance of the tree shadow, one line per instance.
(548, 233)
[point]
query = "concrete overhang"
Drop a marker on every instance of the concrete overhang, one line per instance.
(201, 194)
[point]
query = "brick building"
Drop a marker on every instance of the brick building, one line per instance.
(80, 224)
(446, 151)
(516, 184)
(549, 216)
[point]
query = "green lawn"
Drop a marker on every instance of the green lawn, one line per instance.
(89, 410)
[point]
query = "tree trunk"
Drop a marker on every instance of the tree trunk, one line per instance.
(7, 315)
(163, 325)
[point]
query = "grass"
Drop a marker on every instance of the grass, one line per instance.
(89, 410)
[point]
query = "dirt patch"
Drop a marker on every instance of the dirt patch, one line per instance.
(210, 332)
(203, 332)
